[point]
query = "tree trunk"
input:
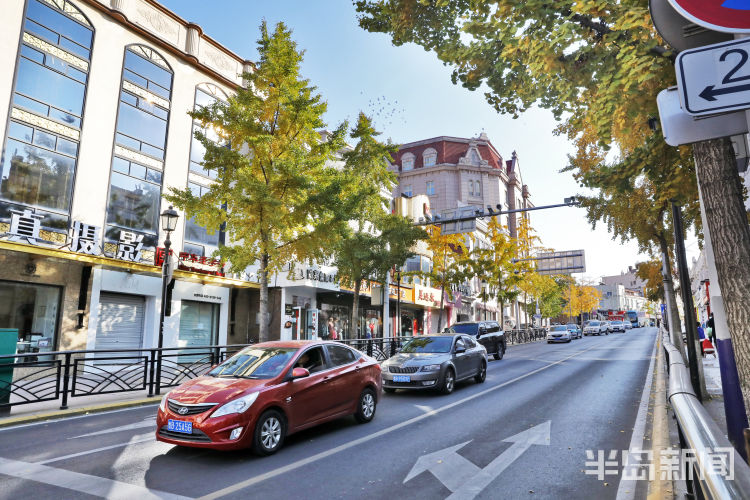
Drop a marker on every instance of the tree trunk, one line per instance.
(263, 327)
(355, 310)
(673, 316)
(726, 217)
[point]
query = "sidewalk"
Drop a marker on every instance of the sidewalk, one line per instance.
(715, 404)
(48, 410)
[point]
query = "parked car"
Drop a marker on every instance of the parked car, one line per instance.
(575, 332)
(559, 333)
(267, 391)
(435, 362)
(596, 327)
(487, 333)
(617, 326)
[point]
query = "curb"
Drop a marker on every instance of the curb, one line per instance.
(660, 489)
(41, 417)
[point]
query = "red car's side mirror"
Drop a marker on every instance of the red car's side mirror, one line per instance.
(300, 372)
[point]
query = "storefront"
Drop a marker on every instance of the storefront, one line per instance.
(61, 300)
(125, 310)
(428, 301)
(34, 312)
(336, 313)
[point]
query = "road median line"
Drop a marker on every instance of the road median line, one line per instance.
(324, 454)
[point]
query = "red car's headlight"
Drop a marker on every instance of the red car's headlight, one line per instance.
(239, 405)
(163, 404)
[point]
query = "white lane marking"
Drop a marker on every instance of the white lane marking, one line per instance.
(133, 440)
(76, 417)
(626, 488)
(449, 467)
(522, 441)
(424, 408)
(84, 483)
(147, 422)
(351, 444)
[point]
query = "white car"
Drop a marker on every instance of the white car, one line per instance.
(628, 325)
(559, 333)
(596, 327)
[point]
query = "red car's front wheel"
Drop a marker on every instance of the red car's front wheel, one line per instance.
(269, 433)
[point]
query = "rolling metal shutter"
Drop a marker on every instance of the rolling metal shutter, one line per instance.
(120, 321)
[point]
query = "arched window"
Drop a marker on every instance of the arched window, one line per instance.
(140, 142)
(43, 134)
(197, 237)
(205, 95)
(429, 157)
(407, 162)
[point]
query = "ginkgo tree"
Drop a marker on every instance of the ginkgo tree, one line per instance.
(375, 240)
(497, 264)
(450, 264)
(276, 191)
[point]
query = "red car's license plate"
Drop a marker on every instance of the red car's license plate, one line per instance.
(180, 426)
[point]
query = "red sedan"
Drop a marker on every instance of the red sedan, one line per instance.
(267, 391)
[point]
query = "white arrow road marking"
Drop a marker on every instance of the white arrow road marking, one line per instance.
(449, 467)
(147, 422)
(85, 483)
(463, 477)
(521, 442)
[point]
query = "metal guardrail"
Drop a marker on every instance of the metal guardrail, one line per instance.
(699, 432)
(49, 376)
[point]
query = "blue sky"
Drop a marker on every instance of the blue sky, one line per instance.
(410, 96)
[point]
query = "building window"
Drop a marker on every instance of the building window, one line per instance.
(430, 188)
(407, 191)
(407, 162)
(32, 312)
(140, 141)
(199, 325)
(196, 236)
(473, 188)
(429, 157)
(477, 188)
(205, 95)
(41, 147)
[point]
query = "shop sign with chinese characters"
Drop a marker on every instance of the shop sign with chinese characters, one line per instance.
(425, 296)
(26, 227)
(193, 263)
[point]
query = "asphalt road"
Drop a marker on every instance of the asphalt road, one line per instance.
(522, 434)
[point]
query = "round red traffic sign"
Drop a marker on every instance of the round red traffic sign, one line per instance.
(731, 16)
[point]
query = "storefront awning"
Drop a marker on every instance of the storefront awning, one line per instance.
(106, 262)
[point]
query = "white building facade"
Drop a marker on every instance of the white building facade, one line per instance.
(95, 130)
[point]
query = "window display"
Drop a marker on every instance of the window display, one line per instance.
(33, 310)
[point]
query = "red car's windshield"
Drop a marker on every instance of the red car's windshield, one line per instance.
(255, 362)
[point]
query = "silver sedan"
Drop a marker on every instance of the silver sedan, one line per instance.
(435, 362)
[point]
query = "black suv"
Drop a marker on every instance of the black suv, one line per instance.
(487, 333)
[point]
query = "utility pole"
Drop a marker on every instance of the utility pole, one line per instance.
(695, 363)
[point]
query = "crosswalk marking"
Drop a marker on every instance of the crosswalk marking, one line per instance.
(84, 483)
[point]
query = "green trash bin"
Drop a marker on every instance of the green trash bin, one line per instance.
(8, 340)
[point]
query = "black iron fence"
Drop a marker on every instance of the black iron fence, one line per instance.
(61, 375)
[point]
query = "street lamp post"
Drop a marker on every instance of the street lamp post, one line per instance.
(398, 302)
(484, 299)
(168, 224)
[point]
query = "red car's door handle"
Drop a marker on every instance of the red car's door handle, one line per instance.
(326, 379)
